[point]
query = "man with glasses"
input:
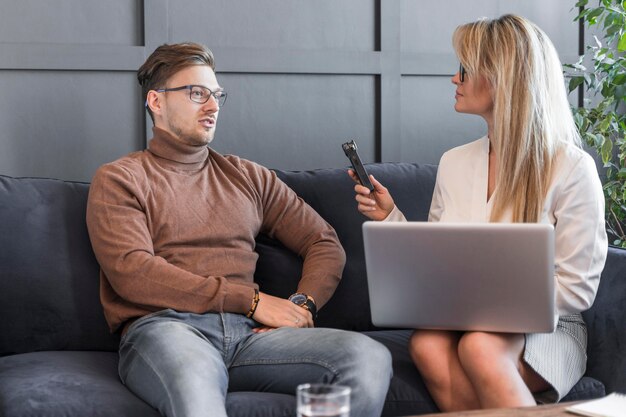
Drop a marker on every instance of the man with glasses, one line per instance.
(173, 229)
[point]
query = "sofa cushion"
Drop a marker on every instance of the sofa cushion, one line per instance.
(55, 384)
(51, 384)
(331, 193)
(260, 404)
(586, 389)
(48, 274)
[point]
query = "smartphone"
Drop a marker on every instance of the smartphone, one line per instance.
(349, 149)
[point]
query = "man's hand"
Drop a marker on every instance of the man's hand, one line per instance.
(274, 312)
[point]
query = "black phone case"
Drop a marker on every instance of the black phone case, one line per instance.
(350, 149)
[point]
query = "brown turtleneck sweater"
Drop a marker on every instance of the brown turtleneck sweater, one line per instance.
(173, 226)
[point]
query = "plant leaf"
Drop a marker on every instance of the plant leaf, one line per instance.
(612, 30)
(619, 79)
(621, 45)
(604, 126)
(575, 82)
(606, 150)
(592, 16)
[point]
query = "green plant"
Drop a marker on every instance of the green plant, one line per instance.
(602, 120)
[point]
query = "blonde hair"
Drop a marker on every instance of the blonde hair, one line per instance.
(532, 119)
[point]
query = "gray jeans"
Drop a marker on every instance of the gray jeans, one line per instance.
(183, 364)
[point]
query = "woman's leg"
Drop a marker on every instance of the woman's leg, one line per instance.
(435, 353)
(493, 362)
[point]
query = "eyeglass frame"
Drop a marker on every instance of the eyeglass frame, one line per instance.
(462, 73)
(190, 87)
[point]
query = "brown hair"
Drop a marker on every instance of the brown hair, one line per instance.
(166, 61)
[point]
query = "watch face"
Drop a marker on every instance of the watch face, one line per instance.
(298, 299)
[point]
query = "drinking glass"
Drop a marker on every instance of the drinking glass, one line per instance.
(323, 400)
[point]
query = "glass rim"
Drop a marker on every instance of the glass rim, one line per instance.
(325, 390)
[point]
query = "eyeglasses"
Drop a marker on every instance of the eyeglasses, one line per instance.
(199, 93)
(462, 72)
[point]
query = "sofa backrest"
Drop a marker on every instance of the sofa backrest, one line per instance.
(49, 283)
(48, 274)
(331, 193)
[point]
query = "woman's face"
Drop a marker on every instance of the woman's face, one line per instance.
(473, 95)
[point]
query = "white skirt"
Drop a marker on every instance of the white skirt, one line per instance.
(559, 357)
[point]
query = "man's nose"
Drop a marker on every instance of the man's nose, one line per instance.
(211, 105)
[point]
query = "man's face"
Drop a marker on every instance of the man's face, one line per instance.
(177, 113)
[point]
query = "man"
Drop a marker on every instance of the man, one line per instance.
(173, 229)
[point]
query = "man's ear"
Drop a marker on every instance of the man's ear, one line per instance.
(154, 102)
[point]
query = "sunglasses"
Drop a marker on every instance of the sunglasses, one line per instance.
(462, 72)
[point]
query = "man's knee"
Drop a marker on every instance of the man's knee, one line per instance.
(365, 353)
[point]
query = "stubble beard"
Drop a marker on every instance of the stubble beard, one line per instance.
(193, 137)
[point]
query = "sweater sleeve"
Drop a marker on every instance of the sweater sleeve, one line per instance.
(120, 234)
(289, 219)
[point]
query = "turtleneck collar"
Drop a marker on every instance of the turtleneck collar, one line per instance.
(173, 148)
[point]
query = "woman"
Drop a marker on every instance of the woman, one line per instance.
(529, 168)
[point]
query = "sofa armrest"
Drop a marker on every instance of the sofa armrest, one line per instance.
(606, 322)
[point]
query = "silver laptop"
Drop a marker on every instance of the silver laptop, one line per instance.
(472, 276)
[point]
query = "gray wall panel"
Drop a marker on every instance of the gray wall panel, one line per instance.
(304, 76)
(66, 124)
(432, 31)
(294, 24)
(430, 125)
(296, 121)
(115, 22)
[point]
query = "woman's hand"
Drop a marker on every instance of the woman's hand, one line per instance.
(375, 205)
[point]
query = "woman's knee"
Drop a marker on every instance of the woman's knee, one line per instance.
(425, 346)
(431, 352)
(477, 346)
(483, 350)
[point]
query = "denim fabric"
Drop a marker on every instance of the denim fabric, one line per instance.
(183, 364)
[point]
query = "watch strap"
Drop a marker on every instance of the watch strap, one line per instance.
(310, 305)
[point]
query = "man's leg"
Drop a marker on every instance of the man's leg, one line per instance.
(174, 368)
(279, 360)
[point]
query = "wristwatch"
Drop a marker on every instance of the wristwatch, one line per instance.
(304, 301)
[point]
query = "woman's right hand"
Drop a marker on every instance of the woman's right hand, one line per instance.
(375, 205)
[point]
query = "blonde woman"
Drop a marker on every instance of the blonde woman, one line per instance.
(529, 168)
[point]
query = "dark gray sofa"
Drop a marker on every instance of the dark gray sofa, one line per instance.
(57, 357)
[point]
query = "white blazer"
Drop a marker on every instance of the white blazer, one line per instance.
(574, 205)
